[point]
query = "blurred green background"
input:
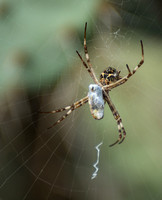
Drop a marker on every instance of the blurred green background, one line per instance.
(40, 70)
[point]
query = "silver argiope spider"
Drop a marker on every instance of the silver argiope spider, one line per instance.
(99, 92)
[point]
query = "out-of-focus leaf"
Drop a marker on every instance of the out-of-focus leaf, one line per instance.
(37, 39)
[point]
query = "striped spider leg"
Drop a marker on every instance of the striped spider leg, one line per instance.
(118, 120)
(125, 78)
(89, 66)
(70, 109)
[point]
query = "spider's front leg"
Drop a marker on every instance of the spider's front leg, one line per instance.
(125, 78)
(89, 66)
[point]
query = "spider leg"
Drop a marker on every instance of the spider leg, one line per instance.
(87, 55)
(129, 71)
(85, 48)
(124, 132)
(67, 107)
(58, 110)
(125, 78)
(120, 135)
(73, 107)
(90, 71)
(142, 60)
(62, 118)
(121, 130)
(89, 66)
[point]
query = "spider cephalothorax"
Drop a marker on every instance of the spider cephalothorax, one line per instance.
(110, 75)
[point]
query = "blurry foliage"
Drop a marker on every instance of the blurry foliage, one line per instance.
(38, 38)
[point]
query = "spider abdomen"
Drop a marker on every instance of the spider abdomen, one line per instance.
(96, 101)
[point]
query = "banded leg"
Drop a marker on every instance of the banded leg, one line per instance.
(85, 65)
(124, 132)
(90, 71)
(120, 134)
(68, 113)
(121, 130)
(87, 56)
(76, 105)
(142, 60)
(124, 79)
(89, 66)
(67, 107)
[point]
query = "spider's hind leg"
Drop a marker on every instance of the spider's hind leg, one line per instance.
(120, 135)
(62, 118)
(56, 111)
(121, 130)
(69, 108)
(124, 132)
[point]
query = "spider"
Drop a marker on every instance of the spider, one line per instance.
(98, 93)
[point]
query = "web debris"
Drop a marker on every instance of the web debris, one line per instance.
(97, 161)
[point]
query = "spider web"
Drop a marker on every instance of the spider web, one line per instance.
(73, 159)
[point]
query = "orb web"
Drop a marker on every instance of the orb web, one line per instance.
(73, 159)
